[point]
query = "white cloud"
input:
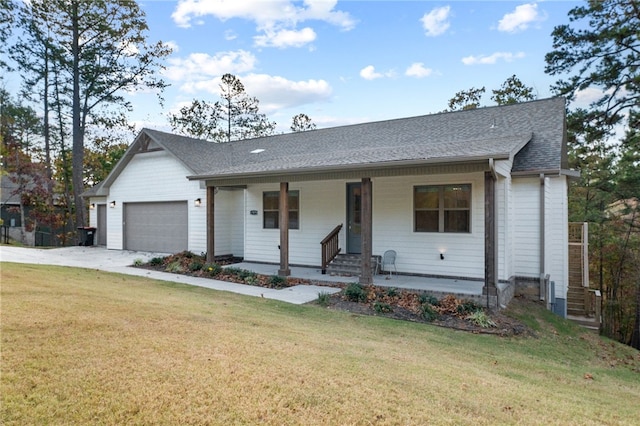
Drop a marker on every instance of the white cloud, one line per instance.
(436, 22)
(274, 18)
(369, 73)
(285, 38)
(520, 19)
(492, 59)
(275, 92)
(173, 46)
(230, 35)
(198, 66)
(418, 70)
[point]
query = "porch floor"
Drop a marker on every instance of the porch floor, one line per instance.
(409, 282)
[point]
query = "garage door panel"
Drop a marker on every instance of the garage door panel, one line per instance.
(160, 227)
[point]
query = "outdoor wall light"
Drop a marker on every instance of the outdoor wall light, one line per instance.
(441, 256)
(198, 202)
(92, 206)
(112, 204)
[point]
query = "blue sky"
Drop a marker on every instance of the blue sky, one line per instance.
(343, 62)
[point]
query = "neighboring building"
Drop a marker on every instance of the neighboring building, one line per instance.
(478, 194)
(13, 214)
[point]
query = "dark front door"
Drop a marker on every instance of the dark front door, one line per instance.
(354, 210)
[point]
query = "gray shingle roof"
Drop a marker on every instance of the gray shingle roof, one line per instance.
(532, 133)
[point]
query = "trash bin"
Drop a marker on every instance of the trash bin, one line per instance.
(86, 235)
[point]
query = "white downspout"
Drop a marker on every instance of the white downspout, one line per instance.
(543, 289)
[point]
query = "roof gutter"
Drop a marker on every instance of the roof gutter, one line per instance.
(572, 174)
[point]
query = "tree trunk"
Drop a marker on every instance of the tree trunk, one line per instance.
(635, 335)
(47, 144)
(77, 150)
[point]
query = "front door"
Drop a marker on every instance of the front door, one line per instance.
(354, 210)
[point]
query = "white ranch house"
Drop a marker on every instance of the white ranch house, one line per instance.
(478, 194)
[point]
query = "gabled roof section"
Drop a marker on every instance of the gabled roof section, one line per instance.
(532, 134)
(182, 148)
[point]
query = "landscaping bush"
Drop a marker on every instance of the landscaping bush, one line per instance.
(428, 312)
(195, 266)
(468, 307)
(392, 292)
(355, 293)
(382, 308)
(324, 298)
(174, 267)
(481, 318)
(276, 281)
(428, 298)
(156, 261)
(212, 269)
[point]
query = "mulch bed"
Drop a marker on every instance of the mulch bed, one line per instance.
(504, 325)
(402, 305)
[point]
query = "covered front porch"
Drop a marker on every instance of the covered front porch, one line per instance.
(324, 202)
(462, 288)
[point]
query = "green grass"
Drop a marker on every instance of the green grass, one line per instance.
(85, 347)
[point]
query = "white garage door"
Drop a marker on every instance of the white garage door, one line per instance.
(159, 227)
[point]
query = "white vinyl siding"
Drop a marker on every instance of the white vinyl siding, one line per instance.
(157, 177)
(526, 235)
(419, 252)
(323, 206)
(556, 235)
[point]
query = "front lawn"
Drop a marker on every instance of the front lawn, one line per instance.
(81, 346)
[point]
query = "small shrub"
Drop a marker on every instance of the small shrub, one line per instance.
(324, 298)
(355, 293)
(276, 281)
(212, 269)
(138, 262)
(428, 313)
(232, 271)
(428, 298)
(392, 292)
(244, 274)
(481, 318)
(186, 254)
(195, 266)
(156, 261)
(468, 307)
(382, 308)
(251, 279)
(174, 267)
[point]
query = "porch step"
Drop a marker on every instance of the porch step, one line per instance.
(575, 301)
(349, 265)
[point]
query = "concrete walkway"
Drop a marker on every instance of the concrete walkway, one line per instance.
(120, 261)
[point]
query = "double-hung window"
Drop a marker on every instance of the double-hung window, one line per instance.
(271, 209)
(442, 208)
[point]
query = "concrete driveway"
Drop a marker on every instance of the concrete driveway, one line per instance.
(120, 261)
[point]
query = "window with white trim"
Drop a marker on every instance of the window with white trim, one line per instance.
(442, 208)
(271, 209)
